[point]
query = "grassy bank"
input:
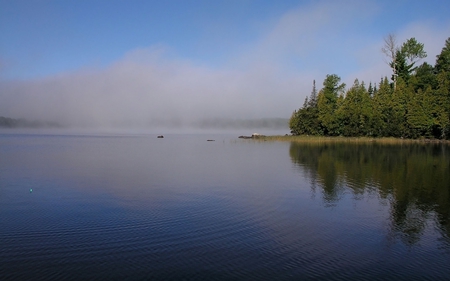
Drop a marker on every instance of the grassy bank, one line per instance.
(362, 140)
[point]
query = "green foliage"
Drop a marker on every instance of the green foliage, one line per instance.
(401, 68)
(416, 105)
(399, 103)
(413, 50)
(442, 96)
(443, 59)
(382, 109)
(328, 103)
(424, 76)
(403, 58)
(355, 114)
(305, 120)
(420, 117)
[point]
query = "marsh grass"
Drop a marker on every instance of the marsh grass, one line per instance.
(355, 140)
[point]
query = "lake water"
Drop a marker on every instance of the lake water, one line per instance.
(135, 207)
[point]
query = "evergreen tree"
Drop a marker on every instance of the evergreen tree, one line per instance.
(370, 90)
(443, 59)
(355, 114)
(442, 111)
(313, 126)
(416, 105)
(424, 76)
(327, 104)
(402, 68)
(382, 107)
(419, 116)
(442, 94)
(305, 120)
(401, 96)
(313, 96)
(293, 123)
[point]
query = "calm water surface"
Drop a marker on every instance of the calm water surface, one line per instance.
(134, 207)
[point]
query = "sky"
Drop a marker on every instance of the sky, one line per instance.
(149, 62)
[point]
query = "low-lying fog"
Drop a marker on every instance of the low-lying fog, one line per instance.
(144, 90)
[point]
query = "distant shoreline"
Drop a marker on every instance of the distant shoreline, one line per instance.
(11, 123)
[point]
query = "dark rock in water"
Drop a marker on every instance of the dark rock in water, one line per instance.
(160, 137)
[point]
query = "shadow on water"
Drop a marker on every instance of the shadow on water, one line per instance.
(415, 179)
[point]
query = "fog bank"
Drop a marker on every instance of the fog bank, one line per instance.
(144, 89)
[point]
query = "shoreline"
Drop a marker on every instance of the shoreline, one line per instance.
(357, 140)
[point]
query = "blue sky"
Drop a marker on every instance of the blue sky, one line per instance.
(138, 60)
(45, 37)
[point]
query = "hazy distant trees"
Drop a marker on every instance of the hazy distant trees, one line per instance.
(416, 104)
(6, 122)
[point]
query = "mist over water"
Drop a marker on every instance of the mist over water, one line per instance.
(145, 89)
(231, 130)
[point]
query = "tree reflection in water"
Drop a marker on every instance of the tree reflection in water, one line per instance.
(414, 178)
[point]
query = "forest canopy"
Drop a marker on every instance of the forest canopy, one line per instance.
(413, 103)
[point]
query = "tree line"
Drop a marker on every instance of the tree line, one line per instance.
(6, 122)
(413, 103)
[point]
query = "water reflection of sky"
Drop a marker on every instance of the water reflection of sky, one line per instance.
(271, 201)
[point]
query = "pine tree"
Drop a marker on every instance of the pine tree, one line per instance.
(355, 114)
(419, 116)
(327, 103)
(416, 104)
(401, 96)
(383, 115)
(305, 120)
(443, 59)
(370, 90)
(425, 75)
(442, 97)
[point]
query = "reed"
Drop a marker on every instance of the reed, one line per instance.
(356, 140)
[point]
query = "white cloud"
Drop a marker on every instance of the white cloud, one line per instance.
(311, 33)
